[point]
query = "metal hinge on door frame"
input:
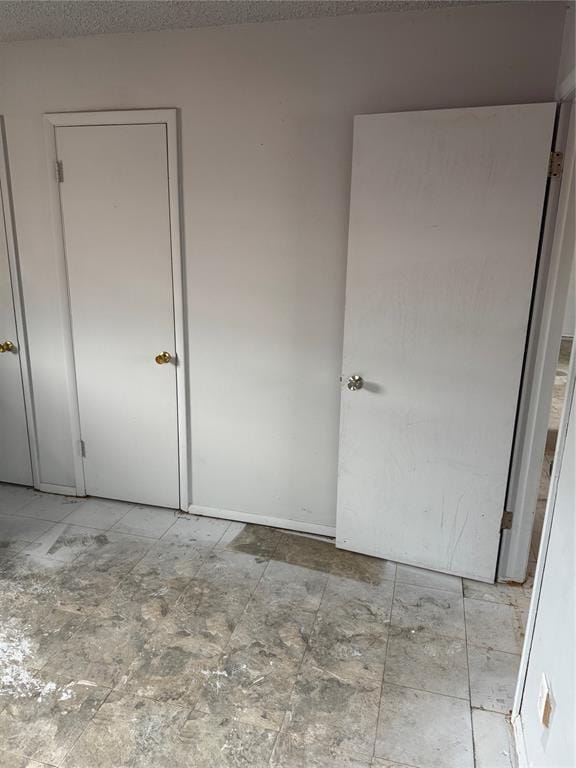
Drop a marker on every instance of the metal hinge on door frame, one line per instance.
(82, 448)
(555, 165)
(59, 171)
(506, 523)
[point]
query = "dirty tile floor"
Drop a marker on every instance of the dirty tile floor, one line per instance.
(131, 637)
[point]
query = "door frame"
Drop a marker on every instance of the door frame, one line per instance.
(169, 118)
(543, 348)
(18, 301)
(569, 406)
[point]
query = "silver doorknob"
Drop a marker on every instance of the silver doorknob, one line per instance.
(355, 382)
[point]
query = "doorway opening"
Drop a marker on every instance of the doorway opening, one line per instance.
(554, 420)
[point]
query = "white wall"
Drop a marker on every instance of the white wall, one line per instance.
(566, 76)
(266, 113)
(554, 641)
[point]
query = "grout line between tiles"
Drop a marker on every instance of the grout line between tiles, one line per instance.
(469, 685)
(384, 666)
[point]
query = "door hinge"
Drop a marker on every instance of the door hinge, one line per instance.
(59, 171)
(555, 164)
(506, 523)
(82, 448)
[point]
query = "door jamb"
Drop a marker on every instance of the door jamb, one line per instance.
(537, 390)
(17, 298)
(567, 413)
(169, 118)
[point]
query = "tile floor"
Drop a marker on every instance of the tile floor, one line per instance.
(133, 637)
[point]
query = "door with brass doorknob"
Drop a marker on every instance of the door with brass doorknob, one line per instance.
(15, 463)
(118, 251)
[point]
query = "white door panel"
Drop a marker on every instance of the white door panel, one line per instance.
(444, 226)
(15, 466)
(116, 222)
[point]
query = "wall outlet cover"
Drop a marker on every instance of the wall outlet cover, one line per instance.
(545, 702)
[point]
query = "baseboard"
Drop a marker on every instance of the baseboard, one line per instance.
(273, 522)
(62, 490)
(521, 756)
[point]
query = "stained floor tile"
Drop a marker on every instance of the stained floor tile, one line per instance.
(64, 542)
(509, 594)
(424, 729)
(493, 677)
(99, 513)
(195, 529)
(494, 625)
(419, 577)
(22, 529)
(417, 659)
(285, 585)
(435, 610)
(493, 740)
(351, 650)
(29, 638)
(336, 711)
(221, 742)
(255, 676)
(146, 521)
(292, 751)
(128, 731)
(250, 685)
(14, 497)
(44, 717)
(251, 539)
(48, 506)
(29, 572)
(10, 548)
(10, 760)
(170, 565)
(101, 650)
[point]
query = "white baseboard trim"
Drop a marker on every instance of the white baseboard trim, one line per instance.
(521, 756)
(63, 490)
(273, 522)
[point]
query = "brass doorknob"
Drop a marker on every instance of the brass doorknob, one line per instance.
(163, 357)
(7, 346)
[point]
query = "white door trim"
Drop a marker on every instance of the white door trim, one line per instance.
(569, 405)
(169, 118)
(16, 280)
(546, 335)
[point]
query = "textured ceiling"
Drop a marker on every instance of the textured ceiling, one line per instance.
(30, 19)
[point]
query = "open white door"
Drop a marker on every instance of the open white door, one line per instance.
(445, 218)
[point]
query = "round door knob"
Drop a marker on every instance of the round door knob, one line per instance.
(163, 357)
(355, 382)
(7, 346)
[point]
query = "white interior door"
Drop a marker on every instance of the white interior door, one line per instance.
(445, 219)
(116, 225)
(15, 466)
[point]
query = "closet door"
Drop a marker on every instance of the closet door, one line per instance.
(15, 466)
(116, 223)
